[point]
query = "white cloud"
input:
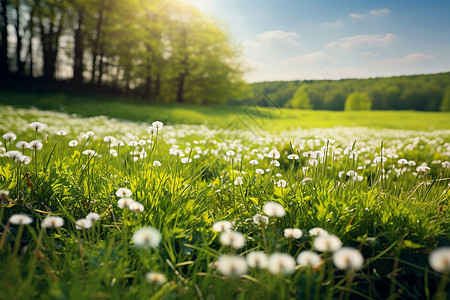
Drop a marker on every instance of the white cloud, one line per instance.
(335, 24)
(278, 36)
(363, 41)
(249, 43)
(410, 58)
(356, 16)
(380, 12)
(309, 59)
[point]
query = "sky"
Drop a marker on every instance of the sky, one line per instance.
(330, 39)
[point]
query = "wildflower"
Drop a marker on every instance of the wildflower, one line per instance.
(273, 154)
(423, 168)
(22, 145)
(125, 202)
(94, 217)
(73, 143)
(83, 224)
(379, 159)
(23, 159)
(293, 156)
(230, 265)
(257, 259)
(446, 164)
(9, 136)
(37, 126)
(402, 161)
(254, 162)
(123, 193)
(309, 259)
(238, 180)
(348, 258)
(151, 130)
(90, 133)
(222, 226)
(281, 183)
(306, 180)
(136, 207)
(274, 209)
(155, 278)
(4, 196)
(351, 173)
(327, 243)
(133, 143)
(281, 263)
(37, 145)
(259, 171)
(275, 163)
(176, 152)
(109, 139)
(230, 153)
(293, 233)
(310, 154)
(260, 220)
(313, 162)
(147, 237)
(158, 125)
(52, 222)
(186, 160)
(90, 153)
(61, 133)
(20, 219)
(156, 163)
(232, 238)
(439, 259)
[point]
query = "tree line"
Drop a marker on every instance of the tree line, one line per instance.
(417, 92)
(157, 50)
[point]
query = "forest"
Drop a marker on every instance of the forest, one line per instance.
(417, 92)
(158, 50)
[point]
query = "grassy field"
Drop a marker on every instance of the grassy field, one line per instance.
(273, 120)
(99, 208)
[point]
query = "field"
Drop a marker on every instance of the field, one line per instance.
(221, 203)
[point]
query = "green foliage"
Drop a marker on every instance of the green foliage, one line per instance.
(358, 101)
(300, 99)
(445, 104)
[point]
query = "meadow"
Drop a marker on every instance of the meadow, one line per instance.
(219, 204)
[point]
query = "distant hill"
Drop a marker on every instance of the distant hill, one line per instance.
(415, 92)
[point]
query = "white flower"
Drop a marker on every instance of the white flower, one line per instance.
(231, 265)
(83, 224)
(23, 159)
(317, 231)
(35, 145)
(309, 259)
(423, 168)
(151, 130)
(222, 226)
(254, 162)
(281, 263)
(439, 259)
(52, 222)
(22, 145)
(273, 154)
(94, 217)
(351, 173)
(293, 233)
(155, 278)
(293, 156)
(259, 171)
(158, 125)
(348, 258)
(90, 133)
(133, 143)
(446, 164)
(257, 259)
(379, 159)
(274, 209)
(260, 220)
(156, 163)
(123, 193)
(281, 183)
(230, 153)
(14, 154)
(136, 207)
(37, 125)
(20, 219)
(9, 136)
(125, 202)
(186, 160)
(402, 161)
(61, 133)
(310, 154)
(238, 181)
(327, 243)
(73, 143)
(147, 237)
(275, 163)
(232, 238)
(109, 139)
(90, 153)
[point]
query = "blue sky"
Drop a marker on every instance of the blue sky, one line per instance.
(294, 39)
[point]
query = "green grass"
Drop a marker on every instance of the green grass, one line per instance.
(394, 215)
(274, 119)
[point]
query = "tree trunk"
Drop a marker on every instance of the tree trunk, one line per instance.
(4, 62)
(19, 63)
(78, 49)
(148, 78)
(180, 90)
(98, 30)
(29, 56)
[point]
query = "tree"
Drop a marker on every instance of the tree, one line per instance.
(358, 101)
(445, 103)
(4, 61)
(300, 99)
